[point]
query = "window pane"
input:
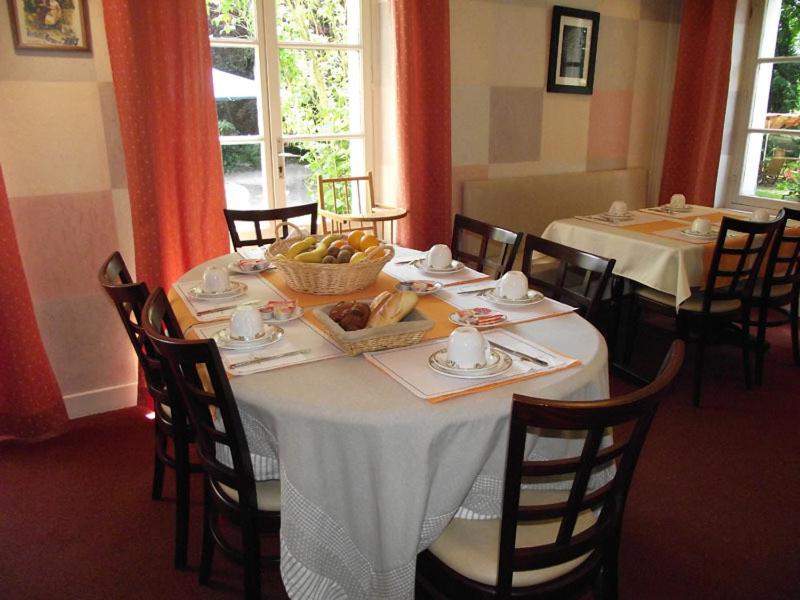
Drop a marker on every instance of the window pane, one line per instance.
(244, 187)
(772, 166)
(340, 158)
(236, 90)
(780, 34)
(231, 19)
(320, 21)
(320, 91)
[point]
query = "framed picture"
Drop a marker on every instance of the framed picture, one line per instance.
(50, 25)
(573, 49)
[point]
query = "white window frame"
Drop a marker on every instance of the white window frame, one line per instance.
(749, 98)
(270, 136)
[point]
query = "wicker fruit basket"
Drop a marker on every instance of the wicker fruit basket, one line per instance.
(407, 332)
(318, 278)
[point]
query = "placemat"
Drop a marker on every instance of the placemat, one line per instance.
(258, 291)
(409, 367)
(407, 272)
(638, 218)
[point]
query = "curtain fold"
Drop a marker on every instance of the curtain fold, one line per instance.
(161, 66)
(422, 36)
(694, 139)
(31, 405)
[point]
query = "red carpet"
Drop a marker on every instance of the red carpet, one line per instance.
(713, 511)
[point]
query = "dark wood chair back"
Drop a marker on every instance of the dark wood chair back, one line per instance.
(195, 370)
(257, 217)
(783, 264)
(737, 259)
(591, 272)
(129, 298)
(630, 416)
(506, 252)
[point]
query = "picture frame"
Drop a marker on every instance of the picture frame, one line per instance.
(573, 50)
(50, 25)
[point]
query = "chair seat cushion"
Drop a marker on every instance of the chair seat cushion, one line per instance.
(268, 494)
(471, 547)
(692, 304)
(776, 291)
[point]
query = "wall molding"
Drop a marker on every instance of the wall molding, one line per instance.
(101, 400)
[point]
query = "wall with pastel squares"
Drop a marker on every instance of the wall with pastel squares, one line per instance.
(506, 124)
(64, 169)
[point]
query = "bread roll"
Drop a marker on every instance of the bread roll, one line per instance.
(351, 316)
(391, 308)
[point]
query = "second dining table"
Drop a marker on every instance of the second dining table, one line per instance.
(370, 472)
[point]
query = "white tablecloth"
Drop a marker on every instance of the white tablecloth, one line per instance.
(370, 474)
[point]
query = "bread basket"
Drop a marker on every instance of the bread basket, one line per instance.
(407, 332)
(317, 278)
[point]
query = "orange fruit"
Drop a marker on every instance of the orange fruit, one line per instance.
(339, 243)
(368, 241)
(354, 238)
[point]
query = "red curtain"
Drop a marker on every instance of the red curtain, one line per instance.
(161, 64)
(30, 401)
(422, 32)
(694, 141)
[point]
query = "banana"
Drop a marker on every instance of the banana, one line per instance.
(314, 256)
(300, 246)
(328, 240)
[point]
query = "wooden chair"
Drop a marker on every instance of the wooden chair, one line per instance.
(348, 203)
(170, 420)
(231, 492)
(726, 298)
(572, 276)
(552, 544)
(779, 287)
(256, 217)
(484, 234)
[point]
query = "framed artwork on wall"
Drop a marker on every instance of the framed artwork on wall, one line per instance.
(50, 25)
(573, 50)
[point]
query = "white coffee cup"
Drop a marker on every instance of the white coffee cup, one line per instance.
(215, 280)
(760, 215)
(467, 348)
(701, 226)
(677, 201)
(513, 285)
(439, 257)
(246, 323)
(618, 208)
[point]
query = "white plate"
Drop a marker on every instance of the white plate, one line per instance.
(237, 289)
(628, 216)
(532, 297)
(234, 266)
(223, 339)
(298, 312)
(431, 287)
(671, 209)
(456, 319)
(454, 267)
(500, 363)
(710, 235)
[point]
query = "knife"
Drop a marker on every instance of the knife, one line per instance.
(260, 359)
(227, 307)
(407, 261)
(478, 291)
(533, 359)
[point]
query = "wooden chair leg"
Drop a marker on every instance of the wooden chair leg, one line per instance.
(699, 358)
(251, 549)
(207, 552)
(158, 466)
(631, 329)
(761, 337)
(181, 502)
(793, 324)
(748, 378)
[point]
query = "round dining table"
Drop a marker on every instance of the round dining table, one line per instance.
(371, 474)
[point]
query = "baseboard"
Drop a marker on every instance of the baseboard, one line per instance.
(101, 400)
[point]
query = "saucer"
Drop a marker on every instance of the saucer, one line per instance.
(628, 216)
(470, 317)
(673, 209)
(270, 335)
(422, 288)
(710, 235)
(532, 297)
(237, 289)
(266, 266)
(454, 267)
(500, 362)
(298, 312)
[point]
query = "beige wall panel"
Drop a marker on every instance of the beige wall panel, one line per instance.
(51, 138)
(470, 124)
(539, 167)
(521, 35)
(471, 41)
(623, 9)
(122, 218)
(565, 129)
(616, 54)
(461, 174)
(102, 62)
